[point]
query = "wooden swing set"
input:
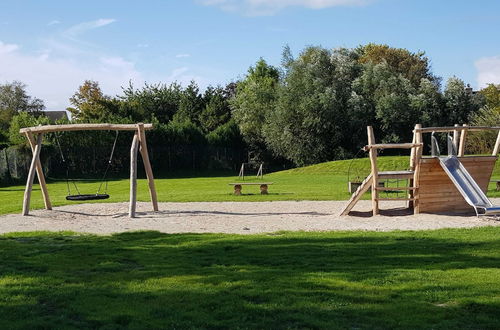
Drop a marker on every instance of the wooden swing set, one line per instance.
(35, 137)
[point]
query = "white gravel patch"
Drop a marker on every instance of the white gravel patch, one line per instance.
(234, 217)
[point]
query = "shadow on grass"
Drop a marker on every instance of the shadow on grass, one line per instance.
(275, 281)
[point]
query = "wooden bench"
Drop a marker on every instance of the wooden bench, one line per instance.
(238, 186)
(498, 184)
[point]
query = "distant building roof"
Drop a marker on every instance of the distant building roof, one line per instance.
(56, 115)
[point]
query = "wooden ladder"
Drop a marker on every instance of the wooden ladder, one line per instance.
(365, 185)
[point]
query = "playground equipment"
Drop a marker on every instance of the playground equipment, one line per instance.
(435, 184)
(260, 173)
(138, 143)
(87, 197)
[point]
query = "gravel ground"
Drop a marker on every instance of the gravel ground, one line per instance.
(234, 217)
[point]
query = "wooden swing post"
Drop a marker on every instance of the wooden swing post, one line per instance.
(31, 174)
(147, 165)
(39, 172)
(133, 176)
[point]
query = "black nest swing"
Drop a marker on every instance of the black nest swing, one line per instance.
(87, 197)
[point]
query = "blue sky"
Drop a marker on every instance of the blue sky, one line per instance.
(53, 46)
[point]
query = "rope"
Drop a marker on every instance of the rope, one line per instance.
(107, 167)
(67, 168)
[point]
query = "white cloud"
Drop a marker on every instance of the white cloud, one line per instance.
(54, 22)
(55, 80)
(7, 48)
(182, 55)
(81, 28)
(271, 7)
(54, 75)
(55, 71)
(488, 71)
(142, 45)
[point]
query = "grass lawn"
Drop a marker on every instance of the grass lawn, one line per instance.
(326, 181)
(444, 279)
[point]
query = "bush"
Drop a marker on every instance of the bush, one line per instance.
(24, 119)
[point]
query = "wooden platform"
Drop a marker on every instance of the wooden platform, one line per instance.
(438, 194)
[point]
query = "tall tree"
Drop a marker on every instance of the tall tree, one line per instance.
(255, 99)
(488, 115)
(413, 66)
(15, 99)
(309, 122)
(155, 101)
(216, 111)
(191, 103)
(460, 103)
(89, 102)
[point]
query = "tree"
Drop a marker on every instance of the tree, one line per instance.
(157, 101)
(24, 119)
(491, 95)
(488, 115)
(191, 103)
(428, 103)
(14, 99)
(254, 101)
(89, 103)
(413, 66)
(309, 122)
(459, 103)
(216, 111)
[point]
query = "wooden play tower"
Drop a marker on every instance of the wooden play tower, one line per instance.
(429, 188)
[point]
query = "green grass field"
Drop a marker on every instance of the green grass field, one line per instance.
(444, 279)
(326, 181)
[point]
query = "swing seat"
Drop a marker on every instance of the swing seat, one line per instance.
(87, 197)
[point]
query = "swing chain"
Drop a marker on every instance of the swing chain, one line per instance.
(107, 167)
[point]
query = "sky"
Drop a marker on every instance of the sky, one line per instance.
(53, 46)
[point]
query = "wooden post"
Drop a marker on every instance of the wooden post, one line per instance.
(147, 166)
(133, 176)
(39, 172)
(412, 168)
(416, 183)
(496, 148)
(455, 139)
(461, 147)
(373, 161)
(412, 153)
(31, 174)
(242, 172)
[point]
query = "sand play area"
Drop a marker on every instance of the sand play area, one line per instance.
(234, 217)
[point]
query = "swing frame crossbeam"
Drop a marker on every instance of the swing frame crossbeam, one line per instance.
(34, 136)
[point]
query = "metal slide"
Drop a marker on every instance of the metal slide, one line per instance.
(469, 189)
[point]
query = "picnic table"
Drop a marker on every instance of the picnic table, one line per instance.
(238, 186)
